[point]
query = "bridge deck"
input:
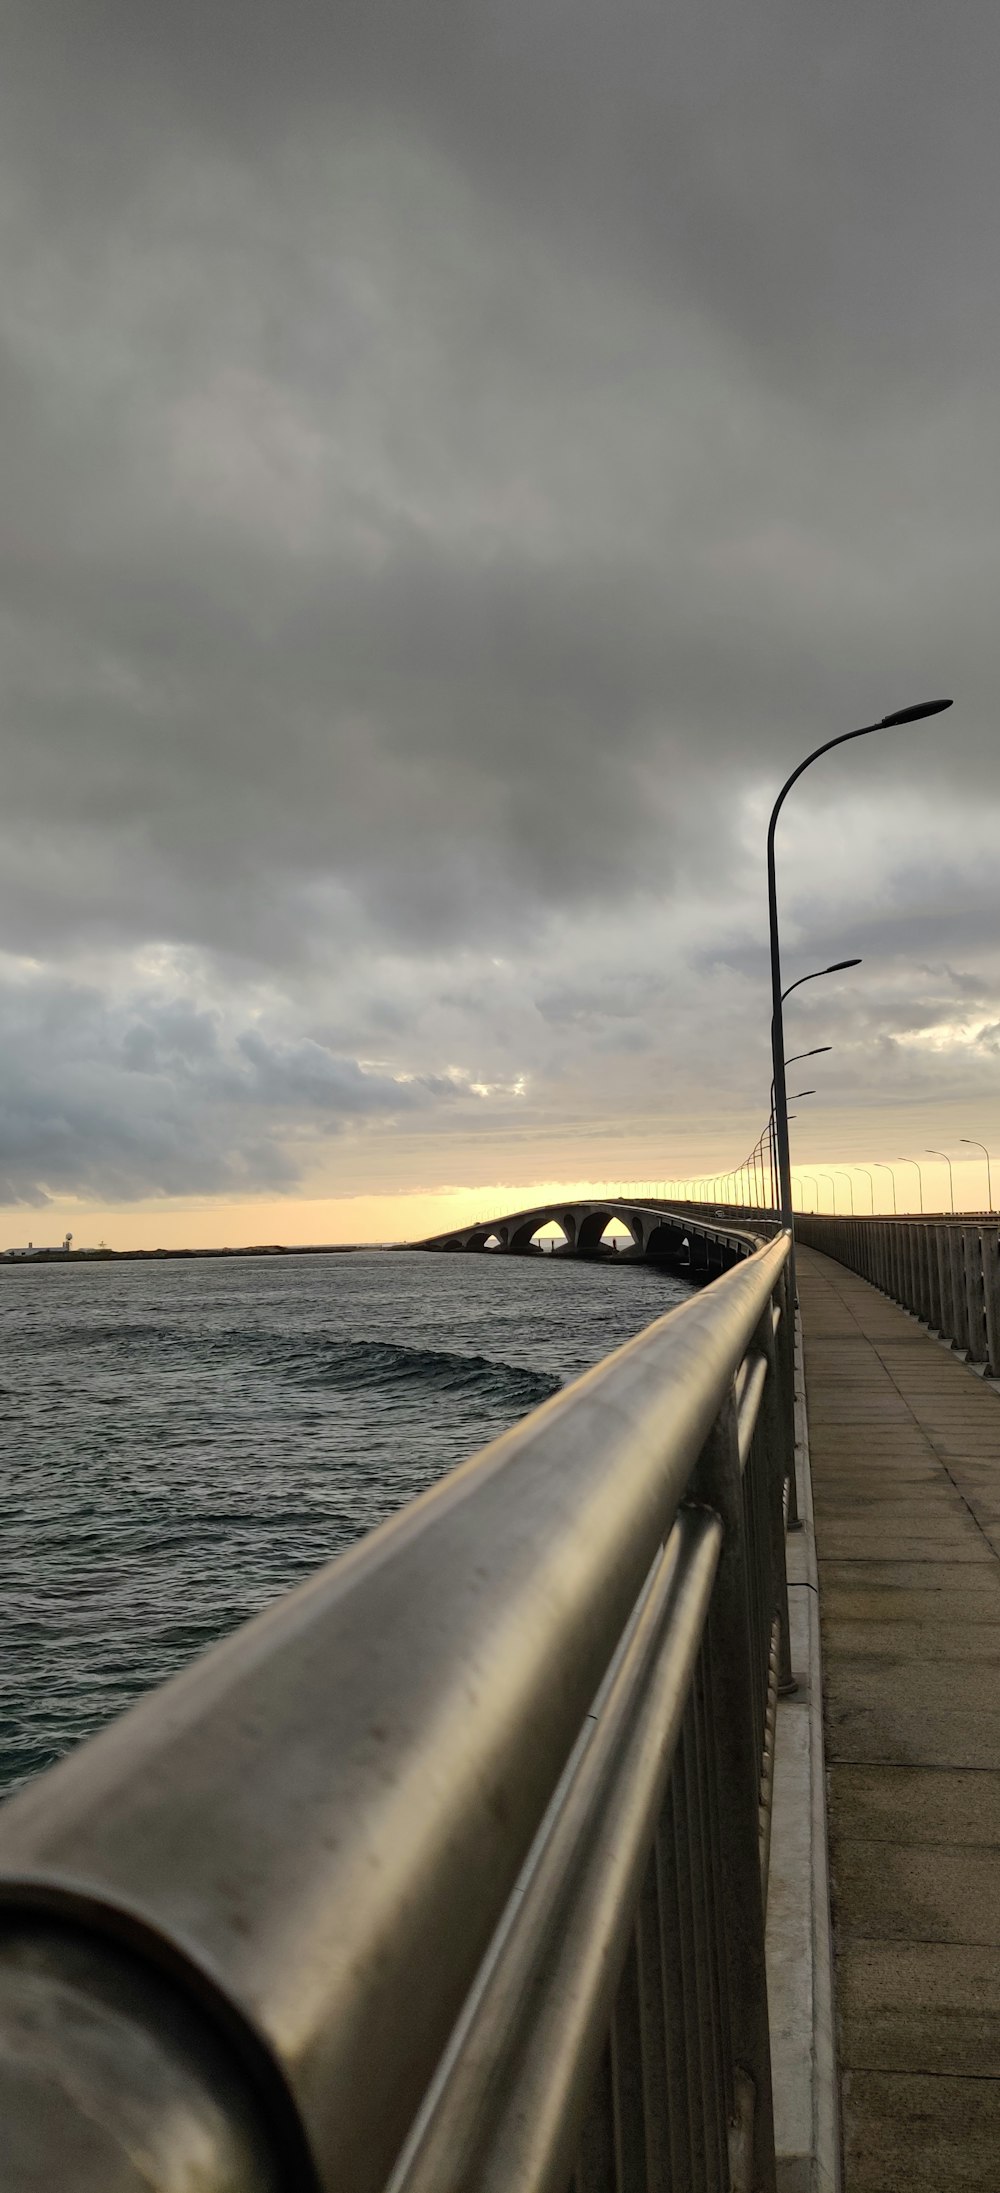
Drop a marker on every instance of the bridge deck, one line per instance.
(905, 1445)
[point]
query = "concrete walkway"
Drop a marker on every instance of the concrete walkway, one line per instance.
(905, 1446)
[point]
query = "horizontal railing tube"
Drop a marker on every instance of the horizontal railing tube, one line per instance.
(111, 2077)
(316, 1828)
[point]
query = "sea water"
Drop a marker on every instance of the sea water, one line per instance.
(182, 1441)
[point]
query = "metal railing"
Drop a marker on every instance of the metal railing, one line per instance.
(447, 1874)
(945, 1270)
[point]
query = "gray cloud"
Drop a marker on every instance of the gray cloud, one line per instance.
(453, 462)
(152, 1096)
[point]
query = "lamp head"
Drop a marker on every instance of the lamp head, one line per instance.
(839, 966)
(913, 715)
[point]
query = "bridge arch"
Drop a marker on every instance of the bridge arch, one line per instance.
(667, 1236)
(523, 1237)
(669, 1239)
(594, 1225)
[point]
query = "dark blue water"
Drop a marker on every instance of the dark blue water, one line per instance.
(181, 1442)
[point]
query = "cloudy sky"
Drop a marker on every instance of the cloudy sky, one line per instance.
(456, 459)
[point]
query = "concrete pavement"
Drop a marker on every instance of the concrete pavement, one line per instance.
(905, 1445)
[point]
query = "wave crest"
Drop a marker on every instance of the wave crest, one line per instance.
(363, 1364)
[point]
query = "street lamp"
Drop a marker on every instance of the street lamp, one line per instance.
(951, 1176)
(920, 1177)
(832, 1178)
(816, 1052)
(850, 1183)
(981, 1146)
(812, 1184)
(902, 715)
(837, 967)
(871, 1184)
(882, 1167)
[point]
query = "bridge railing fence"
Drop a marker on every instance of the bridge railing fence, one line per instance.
(945, 1271)
(450, 1871)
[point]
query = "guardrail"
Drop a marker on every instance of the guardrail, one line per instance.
(449, 1872)
(945, 1270)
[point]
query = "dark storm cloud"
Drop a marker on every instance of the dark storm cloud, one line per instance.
(453, 458)
(153, 1097)
(805, 169)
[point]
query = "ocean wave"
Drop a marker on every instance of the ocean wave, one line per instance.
(367, 1365)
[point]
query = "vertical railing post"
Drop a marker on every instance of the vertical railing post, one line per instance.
(975, 1306)
(776, 1425)
(717, 1482)
(939, 1281)
(784, 1369)
(991, 1292)
(959, 1336)
(928, 1276)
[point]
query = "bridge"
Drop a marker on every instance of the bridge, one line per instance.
(516, 1849)
(661, 1232)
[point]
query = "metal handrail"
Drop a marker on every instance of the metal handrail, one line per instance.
(432, 1781)
(944, 1269)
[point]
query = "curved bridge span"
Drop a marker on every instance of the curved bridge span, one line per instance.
(661, 1234)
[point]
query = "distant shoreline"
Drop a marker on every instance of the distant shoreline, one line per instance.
(159, 1256)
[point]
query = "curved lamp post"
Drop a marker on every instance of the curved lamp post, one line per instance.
(871, 1184)
(951, 1176)
(850, 1184)
(920, 1177)
(885, 723)
(813, 1186)
(989, 1177)
(832, 1178)
(838, 965)
(816, 1052)
(881, 1167)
